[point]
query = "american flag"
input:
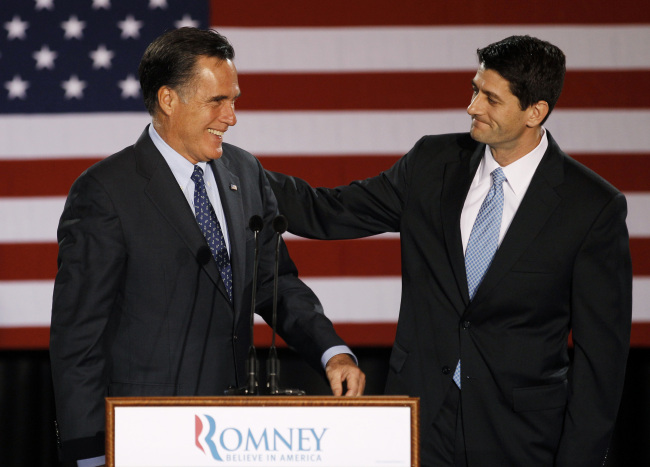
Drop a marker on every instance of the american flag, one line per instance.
(331, 91)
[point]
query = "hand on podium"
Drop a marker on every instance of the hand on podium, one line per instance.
(340, 370)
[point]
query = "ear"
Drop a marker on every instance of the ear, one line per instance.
(166, 100)
(537, 113)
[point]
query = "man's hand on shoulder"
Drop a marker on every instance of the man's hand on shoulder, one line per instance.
(340, 370)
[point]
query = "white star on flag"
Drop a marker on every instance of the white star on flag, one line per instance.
(17, 88)
(16, 28)
(45, 58)
(99, 4)
(102, 57)
(130, 27)
(162, 4)
(73, 28)
(130, 87)
(74, 88)
(186, 21)
(44, 5)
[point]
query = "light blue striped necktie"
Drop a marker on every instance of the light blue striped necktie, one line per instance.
(483, 240)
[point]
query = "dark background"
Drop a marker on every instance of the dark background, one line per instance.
(27, 404)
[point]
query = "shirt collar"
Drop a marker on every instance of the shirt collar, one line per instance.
(520, 172)
(180, 167)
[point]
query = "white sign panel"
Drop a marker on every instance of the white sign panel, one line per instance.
(262, 436)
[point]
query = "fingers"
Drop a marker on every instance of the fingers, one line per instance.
(342, 371)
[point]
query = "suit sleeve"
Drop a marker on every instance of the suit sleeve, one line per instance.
(91, 260)
(363, 208)
(601, 320)
(301, 320)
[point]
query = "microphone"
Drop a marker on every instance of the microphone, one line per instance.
(203, 256)
(252, 363)
(280, 225)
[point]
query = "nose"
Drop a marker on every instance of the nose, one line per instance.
(474, 106)
(228, 115)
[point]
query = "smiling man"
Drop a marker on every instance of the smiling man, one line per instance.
(153, 292)
(508, 245)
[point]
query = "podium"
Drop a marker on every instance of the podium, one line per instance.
(262, 431)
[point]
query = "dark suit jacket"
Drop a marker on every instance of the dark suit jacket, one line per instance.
(564, 265)
(139, 307)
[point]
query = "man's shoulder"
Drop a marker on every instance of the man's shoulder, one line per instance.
(451, 143)
(232, 152)
(586, 180)
(238, 159)
(117, 164)
(582, 178)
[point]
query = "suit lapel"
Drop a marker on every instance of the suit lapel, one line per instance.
(231, 200)
(171, 202)
(456, 182)
(538, 204)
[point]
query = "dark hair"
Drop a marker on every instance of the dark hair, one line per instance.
(170, 59)
(533, 67)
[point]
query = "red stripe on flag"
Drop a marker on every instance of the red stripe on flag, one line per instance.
(640, 336)
(426, 90)
(48, 177)
(329, 171)
(253, 13)
(627, 172)
(354, 334)
(28, 261)
(640, 252)
(355, 91)
(315, 258)
(24, 338)
(369, 257)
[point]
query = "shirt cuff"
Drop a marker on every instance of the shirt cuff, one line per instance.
(94, 462)
(336, 350)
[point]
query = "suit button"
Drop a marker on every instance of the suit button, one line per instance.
(446, 370)
(234, 338)
(466, 324)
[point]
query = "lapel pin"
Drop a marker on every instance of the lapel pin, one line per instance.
(233, 187)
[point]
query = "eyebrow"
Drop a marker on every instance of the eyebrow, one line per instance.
(222, 98)
(490, 94)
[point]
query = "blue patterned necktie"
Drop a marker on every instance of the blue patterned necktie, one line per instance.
(483, 240)
(211, 229)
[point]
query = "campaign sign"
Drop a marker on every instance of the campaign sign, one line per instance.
(292, 435)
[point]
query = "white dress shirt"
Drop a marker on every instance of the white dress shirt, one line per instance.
(182, 170)
(518, 174)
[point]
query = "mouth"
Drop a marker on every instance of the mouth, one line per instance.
(216, 132)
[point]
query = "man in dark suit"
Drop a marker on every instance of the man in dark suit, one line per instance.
(150, 300)
(508, 246)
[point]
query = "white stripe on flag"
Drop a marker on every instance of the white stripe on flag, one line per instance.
(638, 214)
(301, 133)
(35, 220)
(28, 303)
(426, 48)
(30, 220)
(25, 303)
(69, 135)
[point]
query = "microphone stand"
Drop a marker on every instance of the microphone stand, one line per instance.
(280, 225)
(252, 363)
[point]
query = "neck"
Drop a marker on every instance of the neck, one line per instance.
(507, 155)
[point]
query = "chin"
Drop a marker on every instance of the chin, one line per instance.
(215, 155)
(476, 136)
